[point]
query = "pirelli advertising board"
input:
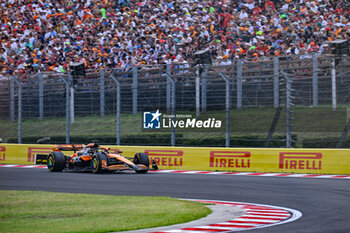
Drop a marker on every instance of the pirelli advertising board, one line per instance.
(318, 161)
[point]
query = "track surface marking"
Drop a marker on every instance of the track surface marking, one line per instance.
(256, 216)
(319, 176)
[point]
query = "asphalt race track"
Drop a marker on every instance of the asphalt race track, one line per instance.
(324, 203)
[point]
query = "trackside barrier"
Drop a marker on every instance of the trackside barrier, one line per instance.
(281, 160)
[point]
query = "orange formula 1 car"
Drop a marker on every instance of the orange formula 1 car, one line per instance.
(93, 158)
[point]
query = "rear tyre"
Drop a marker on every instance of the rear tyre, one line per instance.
(141, 158)
(56, 161)
(99, 163)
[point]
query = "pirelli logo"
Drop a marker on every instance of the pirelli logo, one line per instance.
(235, 159)
(2, 153)
(166, 157)
(37, 150)
(302, 161)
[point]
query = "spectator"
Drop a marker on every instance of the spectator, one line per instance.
(49, 35)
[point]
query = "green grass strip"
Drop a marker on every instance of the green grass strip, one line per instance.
(35, 211)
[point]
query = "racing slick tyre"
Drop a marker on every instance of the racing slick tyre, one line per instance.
(56, 161)
(99, 163)
(141, 158)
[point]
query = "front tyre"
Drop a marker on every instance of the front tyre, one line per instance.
(56, 161)
(141, 158)
(99, 163)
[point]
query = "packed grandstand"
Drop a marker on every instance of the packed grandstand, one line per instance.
(49, 35)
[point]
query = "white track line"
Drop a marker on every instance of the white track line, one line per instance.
(314, 176)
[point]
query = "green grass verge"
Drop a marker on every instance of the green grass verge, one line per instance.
(35, 211)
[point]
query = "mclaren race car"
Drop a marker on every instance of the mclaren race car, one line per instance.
(93, 157)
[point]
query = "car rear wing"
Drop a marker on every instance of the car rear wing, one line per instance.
(68, 147)
(42, 158)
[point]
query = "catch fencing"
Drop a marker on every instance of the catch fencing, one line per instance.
(276, 85)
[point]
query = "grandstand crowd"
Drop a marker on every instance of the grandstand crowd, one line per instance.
(49, 35)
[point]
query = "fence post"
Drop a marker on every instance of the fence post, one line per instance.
(239, 83)
(289, 133)
(68, 84)
(314, 80)
(12, 99)
(276, 82)
(227, 141)
(204, 89)
(41, 97)
(168, 89)
(19, 113)
(334, 85)
(173, 89)
(234, 69)
(102, 93)
(117, 109)
(197, 91)
(71, 98)
(288, 109)
(134, 90)
(118, 113)
(19, 109)
(68, 111)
